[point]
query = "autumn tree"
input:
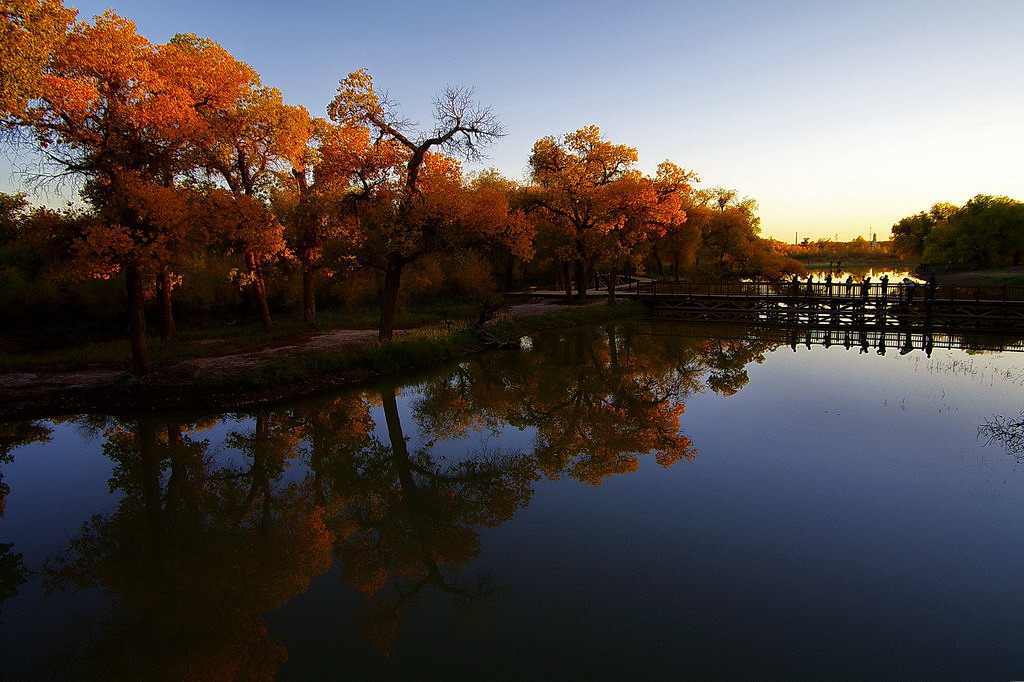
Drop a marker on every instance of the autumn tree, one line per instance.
(516, 244)
(592, 204)
(117, 112)
(316, 199)
(247, 144)
(657, 206)
(678, 239)
(425, 207)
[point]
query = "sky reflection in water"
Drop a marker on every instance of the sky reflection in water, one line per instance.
(839, 517)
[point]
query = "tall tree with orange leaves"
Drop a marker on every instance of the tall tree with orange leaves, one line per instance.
(593, 203)
(425, 207)
(338, 167)
(248, 143)
(119, 112)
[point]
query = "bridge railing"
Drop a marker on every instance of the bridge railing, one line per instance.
(893, 292)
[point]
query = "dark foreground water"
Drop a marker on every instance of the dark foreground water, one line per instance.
(550, 513)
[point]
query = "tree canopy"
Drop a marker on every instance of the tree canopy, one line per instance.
(987, 231)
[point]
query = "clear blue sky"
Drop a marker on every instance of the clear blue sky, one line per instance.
(839, 118)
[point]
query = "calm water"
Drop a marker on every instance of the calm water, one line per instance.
(642, 501)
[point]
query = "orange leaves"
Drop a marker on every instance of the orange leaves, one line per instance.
(112, 99)
(346, 156)
(243, 223)
(201, 71)
(105, 246)
(356, 101)
(31, 31)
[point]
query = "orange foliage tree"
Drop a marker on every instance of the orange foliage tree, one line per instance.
(247, 145)
(315, 200)
(119, 112)
(593, 204)
(425, 207)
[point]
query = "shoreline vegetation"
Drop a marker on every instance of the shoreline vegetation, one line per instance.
(271, 370)
(235, 367)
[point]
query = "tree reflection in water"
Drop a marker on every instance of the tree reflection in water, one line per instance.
(205, 542)
(1007, 431)
(13, 572)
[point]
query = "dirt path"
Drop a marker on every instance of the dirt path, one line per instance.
(25, 391)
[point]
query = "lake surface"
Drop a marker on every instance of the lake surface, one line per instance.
(642, 501)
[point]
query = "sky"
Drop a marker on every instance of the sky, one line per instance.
(838, 118)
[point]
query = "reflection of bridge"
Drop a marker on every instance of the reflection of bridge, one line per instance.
(851, 304)
(900, 340)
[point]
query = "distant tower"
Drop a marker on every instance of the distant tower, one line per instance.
(874, 240)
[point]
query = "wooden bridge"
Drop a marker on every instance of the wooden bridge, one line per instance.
(902, 340)
(837, 303)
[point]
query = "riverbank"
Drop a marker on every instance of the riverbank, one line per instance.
(991, 277)
(298, 366)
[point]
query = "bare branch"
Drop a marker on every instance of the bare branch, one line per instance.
(1007, 431)
(464, 127)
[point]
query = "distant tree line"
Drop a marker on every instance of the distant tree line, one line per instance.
(987, 231)
(858, 249)
(194, 173)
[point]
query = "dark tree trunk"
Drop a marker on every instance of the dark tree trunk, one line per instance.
(675, 265)
(581, 281)
(399, 449)
(149, 473)
(613, 346)
(165, 307)
(309, 294)
(258, 290)
(510, 274)
(389, 298)
(567, 280)
(137, 318)
(657, 260)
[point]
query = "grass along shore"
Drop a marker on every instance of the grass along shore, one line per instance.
(272, 369)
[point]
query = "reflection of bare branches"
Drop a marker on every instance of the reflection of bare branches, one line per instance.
(1008, 431)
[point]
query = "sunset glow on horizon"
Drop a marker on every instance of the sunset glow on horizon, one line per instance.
(839, 121)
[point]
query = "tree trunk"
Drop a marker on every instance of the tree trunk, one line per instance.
(675, 265)
(613, 346)
(165, 307)
(149, 477)
(510, 272)
(389, 298)
(258, 290)
(567, 280)
(309, 294)
(399, 448)
(137, 318)
(581, 281)
(659, 267)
